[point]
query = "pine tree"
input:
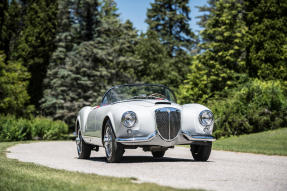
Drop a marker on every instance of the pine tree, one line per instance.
(115, 45)
(10, 26)
(155, 66)
(93, 66)
(52, 100)
(36, 43)
(87, 17)
(205, 16)
(77, 23)
(216, 69)
(3, 27)
(170, 19)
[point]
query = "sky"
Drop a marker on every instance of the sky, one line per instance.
(135, 10)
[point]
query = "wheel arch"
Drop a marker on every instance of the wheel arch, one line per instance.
(106, 119)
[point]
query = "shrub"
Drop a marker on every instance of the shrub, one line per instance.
(255, 106)
(19, 129)
(12, 129)
(45, 128)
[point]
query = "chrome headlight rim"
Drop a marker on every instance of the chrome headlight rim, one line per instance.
(129, 119)
(203, 121)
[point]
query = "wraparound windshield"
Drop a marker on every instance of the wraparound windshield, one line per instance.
(128, 92)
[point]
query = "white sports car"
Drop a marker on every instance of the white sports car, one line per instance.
(146, 116)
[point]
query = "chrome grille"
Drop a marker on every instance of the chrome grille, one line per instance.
(168, 122)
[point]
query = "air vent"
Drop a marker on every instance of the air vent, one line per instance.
(162, 102)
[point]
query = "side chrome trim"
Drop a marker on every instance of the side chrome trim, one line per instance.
(137, 139)
(198, 137)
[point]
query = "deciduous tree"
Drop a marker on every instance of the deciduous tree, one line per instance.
(14, 98)
(266, 39)
(217, 68)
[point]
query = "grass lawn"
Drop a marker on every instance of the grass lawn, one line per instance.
(272, 142)
(15, 175)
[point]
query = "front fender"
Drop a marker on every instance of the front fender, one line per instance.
(144, 126)
(190, 120)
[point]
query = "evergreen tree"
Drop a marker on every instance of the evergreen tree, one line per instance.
(114, 47)
(14, 78)
(170, 19)
(10, 26)
(87, 17)
(52, 100)
(77, 23)
(155, 66)
(216, 69)
(205, 10)
(93, 66)
(36, 42)
(3, 27)
(266, 39)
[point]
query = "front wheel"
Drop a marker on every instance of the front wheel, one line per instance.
(201, 152)
(114, 150)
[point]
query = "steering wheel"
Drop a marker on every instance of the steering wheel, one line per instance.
(157, 95)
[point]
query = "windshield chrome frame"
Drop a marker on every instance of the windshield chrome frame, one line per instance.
(175, 100)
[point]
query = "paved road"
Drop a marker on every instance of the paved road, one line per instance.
(224, 171)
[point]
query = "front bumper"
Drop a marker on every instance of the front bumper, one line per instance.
(183, 138)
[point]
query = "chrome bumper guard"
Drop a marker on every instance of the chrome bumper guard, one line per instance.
(198, 137)
(136, 139)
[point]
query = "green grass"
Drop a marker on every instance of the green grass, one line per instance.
(272, 142)
(15, 175)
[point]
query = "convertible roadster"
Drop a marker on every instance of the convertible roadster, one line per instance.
(145, 116)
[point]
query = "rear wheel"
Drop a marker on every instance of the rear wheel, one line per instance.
(158, 154)
(201, 152)
(84, 149)
(114, 150)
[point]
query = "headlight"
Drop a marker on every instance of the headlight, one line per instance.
(206, 118)
(129, 119)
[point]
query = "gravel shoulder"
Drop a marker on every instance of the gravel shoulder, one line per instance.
(223, 171)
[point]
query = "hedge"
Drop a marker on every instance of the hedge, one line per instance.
(19, 129)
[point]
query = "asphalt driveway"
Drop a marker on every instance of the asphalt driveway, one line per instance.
(223, 171)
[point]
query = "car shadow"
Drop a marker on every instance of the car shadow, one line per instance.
(145, 159)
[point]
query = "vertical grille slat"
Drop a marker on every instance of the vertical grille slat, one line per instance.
(168, 122)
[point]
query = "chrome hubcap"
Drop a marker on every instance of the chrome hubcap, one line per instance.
(108, 141)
